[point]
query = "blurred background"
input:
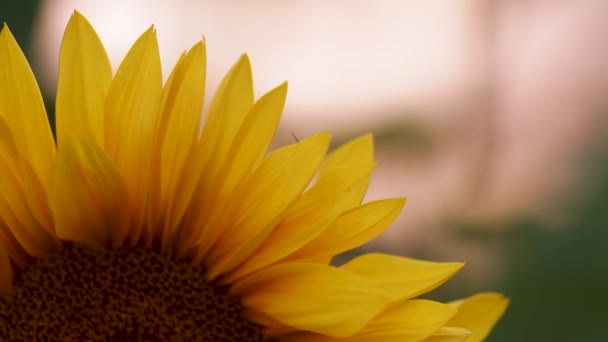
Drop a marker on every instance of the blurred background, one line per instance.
(491, 116)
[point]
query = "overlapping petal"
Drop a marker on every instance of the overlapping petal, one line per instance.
(246, 152)
(402, 278)
(312, 213)
(232, 102)
(88, 197)
(336, 303)
(22, 212)
(407, 321)
(479, 314)
(354, 152)
(131, 117)
(352, 229)
(262, 201)
(178, 154)
(449, 334)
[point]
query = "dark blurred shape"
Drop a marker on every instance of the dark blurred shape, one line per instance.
(556, 273)
(559, 281)
(20, 15)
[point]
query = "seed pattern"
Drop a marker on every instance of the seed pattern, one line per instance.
(137, 294)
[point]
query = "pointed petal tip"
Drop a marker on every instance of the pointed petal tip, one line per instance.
(243, 63)
(279, 91)
(244, 58)
(325, 136)
(5, 32)
(76, 21)
(151, 31)
(78, 16)
(199, 47)
(400, 202)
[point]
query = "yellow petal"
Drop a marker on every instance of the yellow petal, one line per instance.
(449, 334)
(402, 278)
(17, 200)
(155, 203)
(131, 113)
(312, 212)
(262, 201)
(34, 193)
(181, 162)
(85, 75)
(22, 108)
(408, 321)
(88, 197)
(313, 297)
(353, 152)
(254, 137)
(232, 101)
(352, 229)
(479, 314)
(6, 273)
(35, 196)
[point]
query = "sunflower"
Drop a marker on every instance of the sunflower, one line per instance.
(142, 224)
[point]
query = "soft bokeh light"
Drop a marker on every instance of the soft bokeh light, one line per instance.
(344, 60)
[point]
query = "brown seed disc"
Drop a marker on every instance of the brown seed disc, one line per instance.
(137, 294)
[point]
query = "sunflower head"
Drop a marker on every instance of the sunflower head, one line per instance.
(142, 222)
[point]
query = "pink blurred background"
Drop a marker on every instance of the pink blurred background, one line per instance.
(481, 108)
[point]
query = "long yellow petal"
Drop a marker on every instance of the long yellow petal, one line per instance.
(88, 197)
(233, 100)
(408, 321)
(85, 75)
(479, 314)
(449, 334)
(34, 193)
(355, 151)
(22, 108)
(312, 213)
(131, 114)
(352, 229)
(6, 273)
(180, 163)
(17, 199)
(18, 218)
(230, 105)
(402, 278)
(262, 202)
(155, 203)
(252, 140)
(336, 302)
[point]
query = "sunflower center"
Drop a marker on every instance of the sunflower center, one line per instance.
(137, 294)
